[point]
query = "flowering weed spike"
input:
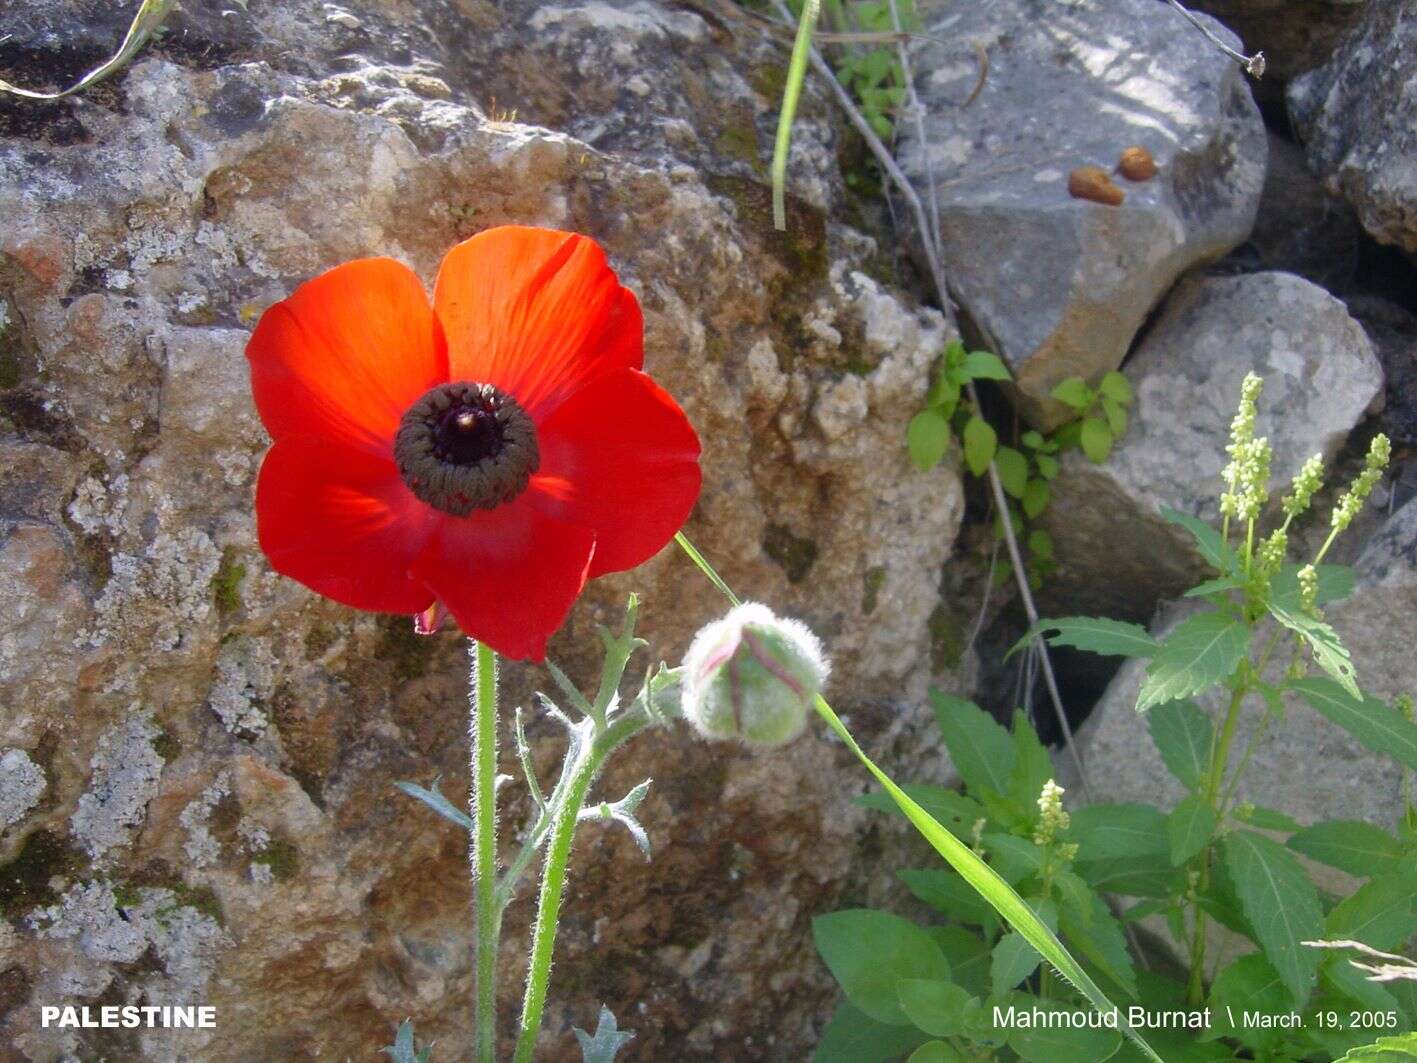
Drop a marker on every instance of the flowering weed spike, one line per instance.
(1351, 504)
(1052, 819)
(1306, 484)
(752, 676)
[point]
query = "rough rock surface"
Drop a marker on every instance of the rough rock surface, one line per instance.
(1340, 779)
(1118, 557)
(1357, 118)
(1057, 285)
(199, 756)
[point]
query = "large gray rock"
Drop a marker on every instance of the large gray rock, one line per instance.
(1118, 557)
(198, 756)
(1357, 118)
(1058, 285)
(1304, 764)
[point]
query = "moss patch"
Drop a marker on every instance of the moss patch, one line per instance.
(25, 880)
(795, 555)
(166, 745)
(226, 584)
(946, 639)
(319, 639)
(201, 898)
(281, 857)
(871, 582)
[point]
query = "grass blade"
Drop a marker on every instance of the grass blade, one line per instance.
(145, 24)
(791, 93)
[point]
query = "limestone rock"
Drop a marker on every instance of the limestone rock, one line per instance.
(1059, 286)
(1340, 778)
(1358, 121)
(204, 753)
(1118, 557)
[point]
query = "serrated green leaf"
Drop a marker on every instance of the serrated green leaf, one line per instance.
(1047, 466)
(1074, 392)
(1267, 819)
(1381, 912)
(1116, 387)
(1096, 439)
(981, 365)
(1401, 1048)
(1032, 765)
(1281, 905)
(1061, 1043)
(940, 1008)
(1324, 643)
(1035, 497)
(928, 438)
(1249, 985)
(1133, 876)
(980, 440)
(1096, 634)
(1013, 470)
(1375, 724)
(1107, 831)
(869, 951)
(1207, 539)
(950, 895)
(1189, 828)
(1202, 651)
(1014, 959)
(1182, 735)
(852, 1036)
(1095, 934)
(1116, 415)
(981, 750)
(1214, 586)
(1359, 848)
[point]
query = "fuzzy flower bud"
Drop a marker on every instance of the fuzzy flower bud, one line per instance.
(1052, 820)
(1306, 484)
(1348, 507)
(752, 676)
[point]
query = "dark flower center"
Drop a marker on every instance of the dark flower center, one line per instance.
(466, 446)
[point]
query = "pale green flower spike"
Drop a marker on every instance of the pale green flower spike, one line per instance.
(1053, 820)
(1351, 504)
(1306, 484)
(1271, 553)
(1309, 588)
(1247, 475)
(752, 676)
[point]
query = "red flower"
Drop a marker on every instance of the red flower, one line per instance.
(486, 454)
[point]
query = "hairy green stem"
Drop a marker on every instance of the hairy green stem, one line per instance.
(484, 845)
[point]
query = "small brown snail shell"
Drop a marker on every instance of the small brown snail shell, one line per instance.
(1136, 164)
(1095, 184)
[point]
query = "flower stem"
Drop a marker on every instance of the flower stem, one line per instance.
(553, 881)
(484, 844)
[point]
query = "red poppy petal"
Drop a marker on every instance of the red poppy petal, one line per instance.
(536, 312)
(619, 457)
(508, 575)
(347, 354)
(341, 522)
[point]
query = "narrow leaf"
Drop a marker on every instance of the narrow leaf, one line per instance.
(791, 94)
(1208, 540)
(438, 803)
(1280, 903)
(145, 23)
(1375, 724)
(1096, 634)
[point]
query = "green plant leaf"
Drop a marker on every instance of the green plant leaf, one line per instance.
(869, 951)
(1359, 848)
(928, 438)
(1133, 876)
(1109, 831)
(1062, 1043)
(1375, 724)
(980, 440)
(1096, 634)
(852, 1036)
(1035, 497)
(1214, 586)
(1074, 392)
(981, 750)
(1047, 466)
(1014, 959)
(1116, 387)
(1096, 440)
(1401, 1048)
(1013, 470)
(1182, 735)
(936, 1052)
(1202, 651)
(1280, 903)
(1189, 827)
(1324, 643)
(981, 365)
(1382, 912)
(969, 956)
(1014, 858)
(1116, 415)
(944, 393)
(1335, 582)
(939, 1008)
(1208, 540)
(1032, 765)
(950, 895)
(950, 807)
(1096, 935)
(1040, 545)
(1266, 819)
(1248, 985)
